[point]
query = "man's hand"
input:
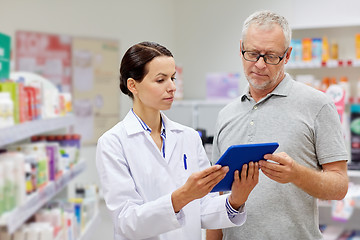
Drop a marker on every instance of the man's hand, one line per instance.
(331, 183)
(283, 169)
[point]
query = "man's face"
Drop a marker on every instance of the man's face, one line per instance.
(263, 76)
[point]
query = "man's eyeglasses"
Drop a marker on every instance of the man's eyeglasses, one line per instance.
(268, 58)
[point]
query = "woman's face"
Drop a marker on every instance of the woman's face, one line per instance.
(156, 91)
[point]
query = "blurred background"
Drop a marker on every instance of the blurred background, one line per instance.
(64, 56)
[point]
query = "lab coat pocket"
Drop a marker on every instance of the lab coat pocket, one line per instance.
(184, 168)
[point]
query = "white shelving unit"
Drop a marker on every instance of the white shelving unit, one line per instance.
(86, 233)
(324, 65)
(346, 65)
(325, 210)
(198, 114)
(14, 219)
(25, 130)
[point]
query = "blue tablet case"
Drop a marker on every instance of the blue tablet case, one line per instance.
(238, 155)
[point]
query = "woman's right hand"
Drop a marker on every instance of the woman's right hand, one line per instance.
(197, 186)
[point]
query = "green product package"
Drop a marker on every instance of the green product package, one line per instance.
(13, 89)
(5, 43)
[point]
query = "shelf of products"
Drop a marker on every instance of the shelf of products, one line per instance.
(19, 215)
(12, 220)
(86, 233)
(25, 130)
(322, 52)
(328, 64)
(342, 217)
(350, 224)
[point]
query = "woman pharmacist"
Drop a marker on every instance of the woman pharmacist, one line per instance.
(154, 172)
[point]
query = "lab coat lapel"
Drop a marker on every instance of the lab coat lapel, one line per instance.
(172, 129)
(171, 142)
(172, 136)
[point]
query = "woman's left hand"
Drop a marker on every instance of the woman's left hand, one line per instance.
(244, 184)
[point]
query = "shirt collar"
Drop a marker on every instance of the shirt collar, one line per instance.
(142, 123)
(282, 89)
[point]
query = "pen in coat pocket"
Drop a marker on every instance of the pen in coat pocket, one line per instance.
(185, 164)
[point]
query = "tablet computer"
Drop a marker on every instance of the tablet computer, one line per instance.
(238, 155)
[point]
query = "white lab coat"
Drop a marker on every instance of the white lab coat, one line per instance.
(137, 183)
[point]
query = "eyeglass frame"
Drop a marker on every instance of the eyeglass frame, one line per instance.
(263, 56)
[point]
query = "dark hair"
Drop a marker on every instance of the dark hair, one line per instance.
(133, 63)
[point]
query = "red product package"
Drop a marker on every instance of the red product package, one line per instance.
(29, 91)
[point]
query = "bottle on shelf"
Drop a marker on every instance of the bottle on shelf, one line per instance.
(344, 83)
(324, 84)
(306, 49)
(325, 55)
(334, 53)
(316, 50)
(332, 81)
(357, 46)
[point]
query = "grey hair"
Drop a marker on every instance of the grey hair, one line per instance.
(266, 19)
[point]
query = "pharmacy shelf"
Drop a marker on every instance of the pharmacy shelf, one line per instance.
(86, 233)
(196, 105)
(328, 64)
(326, 218)
(27, 129)
(14, 219)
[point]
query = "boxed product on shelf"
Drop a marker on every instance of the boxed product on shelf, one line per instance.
(62, 151)
(296, 53)
(306, 49)
(17, 93)
(357, 45)
(325, 53)
(44, 100)
(31, 99)
(38, 150)
(33, 102)
(334, 50)
(12, 181)
(52, 148)
(6, 110)
(5, 43)
(316, 49)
